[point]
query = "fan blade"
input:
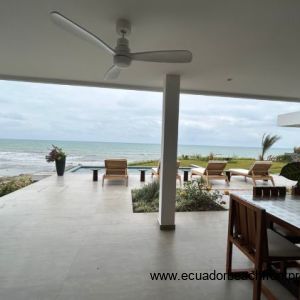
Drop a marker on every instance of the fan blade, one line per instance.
(112, 73)
(172, 56)
(72, 27)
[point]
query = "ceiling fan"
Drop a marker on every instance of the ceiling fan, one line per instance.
(122, 57)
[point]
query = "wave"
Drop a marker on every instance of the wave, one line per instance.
(25, 156)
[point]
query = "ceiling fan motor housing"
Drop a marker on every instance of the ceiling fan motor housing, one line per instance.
(122, 61)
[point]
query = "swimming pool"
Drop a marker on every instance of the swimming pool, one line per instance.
(134, 170)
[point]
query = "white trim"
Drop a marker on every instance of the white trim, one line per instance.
(289, 120)
(147, 88)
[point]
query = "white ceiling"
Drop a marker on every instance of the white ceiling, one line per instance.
(256, 43)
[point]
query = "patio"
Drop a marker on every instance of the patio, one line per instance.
(69, 238)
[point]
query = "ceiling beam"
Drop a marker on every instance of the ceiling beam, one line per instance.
(147, 88)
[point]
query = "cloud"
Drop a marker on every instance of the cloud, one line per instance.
(48, 111)
(12, 116)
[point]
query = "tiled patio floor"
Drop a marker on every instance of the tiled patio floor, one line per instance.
(69, 238)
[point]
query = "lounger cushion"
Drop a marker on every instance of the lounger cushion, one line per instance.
(198, 171)
(242, 172)
(155, 170)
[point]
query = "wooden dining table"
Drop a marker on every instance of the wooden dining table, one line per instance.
(284, 211)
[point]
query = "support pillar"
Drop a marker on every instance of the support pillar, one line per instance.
(169, 140)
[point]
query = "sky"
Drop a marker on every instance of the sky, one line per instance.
(61, 112)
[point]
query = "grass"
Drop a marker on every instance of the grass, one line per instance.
(144, 163)
(237, 163)
(13, 184)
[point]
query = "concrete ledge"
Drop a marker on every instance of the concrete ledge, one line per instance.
(41, 175)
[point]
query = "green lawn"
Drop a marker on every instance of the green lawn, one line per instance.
(242, 163)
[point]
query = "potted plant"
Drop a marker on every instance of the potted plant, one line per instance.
(292, 171)
(59, 156)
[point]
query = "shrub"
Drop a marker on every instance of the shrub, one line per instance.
(272, 157)
(198, 157)
(14, 185)
(148, 193)
(284, 158)
(291, 171)
(228, 158)
(297, 150)
(194, 196)
(211, 156)
(145, 207)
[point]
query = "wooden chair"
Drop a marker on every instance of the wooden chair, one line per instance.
(115, 169)
(269, 192)
(156, 171)
(247, 230)
(214, 170)
(258, 171)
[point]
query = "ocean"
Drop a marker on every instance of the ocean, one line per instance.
(28, 156)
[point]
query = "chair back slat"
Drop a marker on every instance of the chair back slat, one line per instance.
(252, 228)
(248, 225)
(116, 166)
(243, 225)
(215, 167)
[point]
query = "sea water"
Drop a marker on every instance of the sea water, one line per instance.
(28, 156)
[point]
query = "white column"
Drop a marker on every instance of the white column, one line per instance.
(167, 195)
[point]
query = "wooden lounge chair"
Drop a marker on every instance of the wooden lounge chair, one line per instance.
(214, 170)
(156, 171)
(115, 169)
(258, 171)
(247, 230)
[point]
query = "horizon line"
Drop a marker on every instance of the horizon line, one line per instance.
(114, 142)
